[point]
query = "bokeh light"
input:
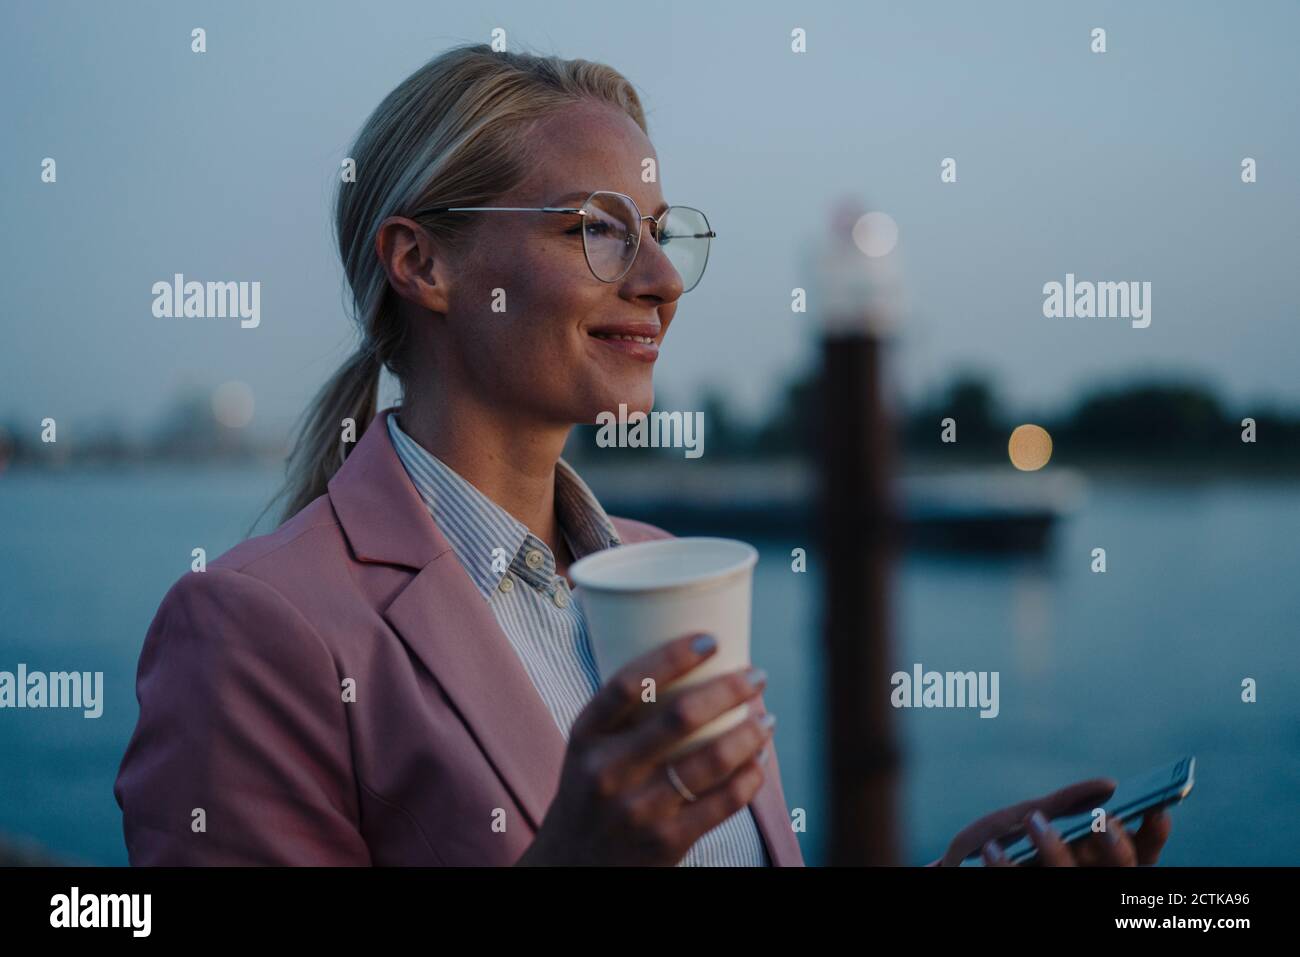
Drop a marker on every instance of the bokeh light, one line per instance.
(876, 234)
(1030, 447)
(232, 404)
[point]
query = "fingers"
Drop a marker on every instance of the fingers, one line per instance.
(1052, 852)
(1003, 823)
(723, 774)
(711, 765)
(685, 712)
(616, 701)
(1150, 838)
(1112, 847)
(1118, 850)
(698, 817)
(1007, 824)
(994, 856)
(1073, 798)
(1117, 847)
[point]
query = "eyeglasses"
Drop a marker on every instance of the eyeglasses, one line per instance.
(611, 234)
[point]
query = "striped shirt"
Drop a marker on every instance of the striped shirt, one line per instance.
(515, 572)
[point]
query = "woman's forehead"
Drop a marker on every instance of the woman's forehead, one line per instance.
(588, 148)
(599, 139)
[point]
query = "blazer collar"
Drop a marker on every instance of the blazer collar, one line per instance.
(379, 509)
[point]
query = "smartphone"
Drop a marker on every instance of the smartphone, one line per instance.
(1157, 788)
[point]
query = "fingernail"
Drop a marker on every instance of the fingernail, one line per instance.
(993, 853)
(767, 722)
(704, 644)
(756, 676)
(1112, 831)
(1038, 823)
(762, 755)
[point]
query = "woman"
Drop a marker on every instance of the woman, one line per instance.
(396, 674)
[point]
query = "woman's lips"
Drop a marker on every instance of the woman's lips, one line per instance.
(641, 351)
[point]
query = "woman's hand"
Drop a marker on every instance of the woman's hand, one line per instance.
(1114, 846)
(616, 803)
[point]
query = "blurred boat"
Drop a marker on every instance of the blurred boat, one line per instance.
(984, 509)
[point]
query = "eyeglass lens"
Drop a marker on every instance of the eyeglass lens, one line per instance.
(612, 236)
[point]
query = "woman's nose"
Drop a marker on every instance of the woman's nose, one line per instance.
(660, 268)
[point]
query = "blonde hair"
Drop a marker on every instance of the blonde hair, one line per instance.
(453, 133)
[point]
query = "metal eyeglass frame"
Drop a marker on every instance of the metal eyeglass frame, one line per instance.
(582, 212)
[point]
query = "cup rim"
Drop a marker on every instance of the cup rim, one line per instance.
(746, 558)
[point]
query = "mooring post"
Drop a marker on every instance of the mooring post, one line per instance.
(859, 537)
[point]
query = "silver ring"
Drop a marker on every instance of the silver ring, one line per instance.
(682, 789)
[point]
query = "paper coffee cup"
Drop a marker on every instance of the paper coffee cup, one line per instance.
(638, 597)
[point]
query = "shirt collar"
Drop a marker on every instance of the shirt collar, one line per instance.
(475, 526)
(585, 523)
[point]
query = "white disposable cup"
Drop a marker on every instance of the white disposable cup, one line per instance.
(638, 597)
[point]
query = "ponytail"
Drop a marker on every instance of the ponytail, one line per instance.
(351, 393)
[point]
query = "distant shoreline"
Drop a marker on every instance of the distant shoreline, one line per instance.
(1098, 466)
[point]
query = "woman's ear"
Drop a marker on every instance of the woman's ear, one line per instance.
(417, 269)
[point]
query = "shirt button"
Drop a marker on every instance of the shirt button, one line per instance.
(507, 584)
(561, 597)
(534, 559)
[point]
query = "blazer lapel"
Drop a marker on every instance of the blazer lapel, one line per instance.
(445, 622)
(442, 616)
(770, 814)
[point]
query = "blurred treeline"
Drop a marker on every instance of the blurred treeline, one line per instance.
(1157, 422)
(1149, 422)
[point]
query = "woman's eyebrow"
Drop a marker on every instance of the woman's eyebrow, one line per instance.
(561, 200)
(583, 194)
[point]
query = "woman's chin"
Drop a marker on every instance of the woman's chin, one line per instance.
(619, 406)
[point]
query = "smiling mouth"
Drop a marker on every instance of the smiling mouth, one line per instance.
(636, 348)
(647, 340)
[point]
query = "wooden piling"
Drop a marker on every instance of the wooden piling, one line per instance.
(859, 537)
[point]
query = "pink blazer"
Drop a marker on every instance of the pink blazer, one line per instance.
(246, 751)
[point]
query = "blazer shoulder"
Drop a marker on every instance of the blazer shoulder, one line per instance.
(221, 609)
(288, 571)
(304, 532)
(240, 714)
(631, 530)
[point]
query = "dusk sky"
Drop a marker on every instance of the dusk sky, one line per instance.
(1122, 166)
